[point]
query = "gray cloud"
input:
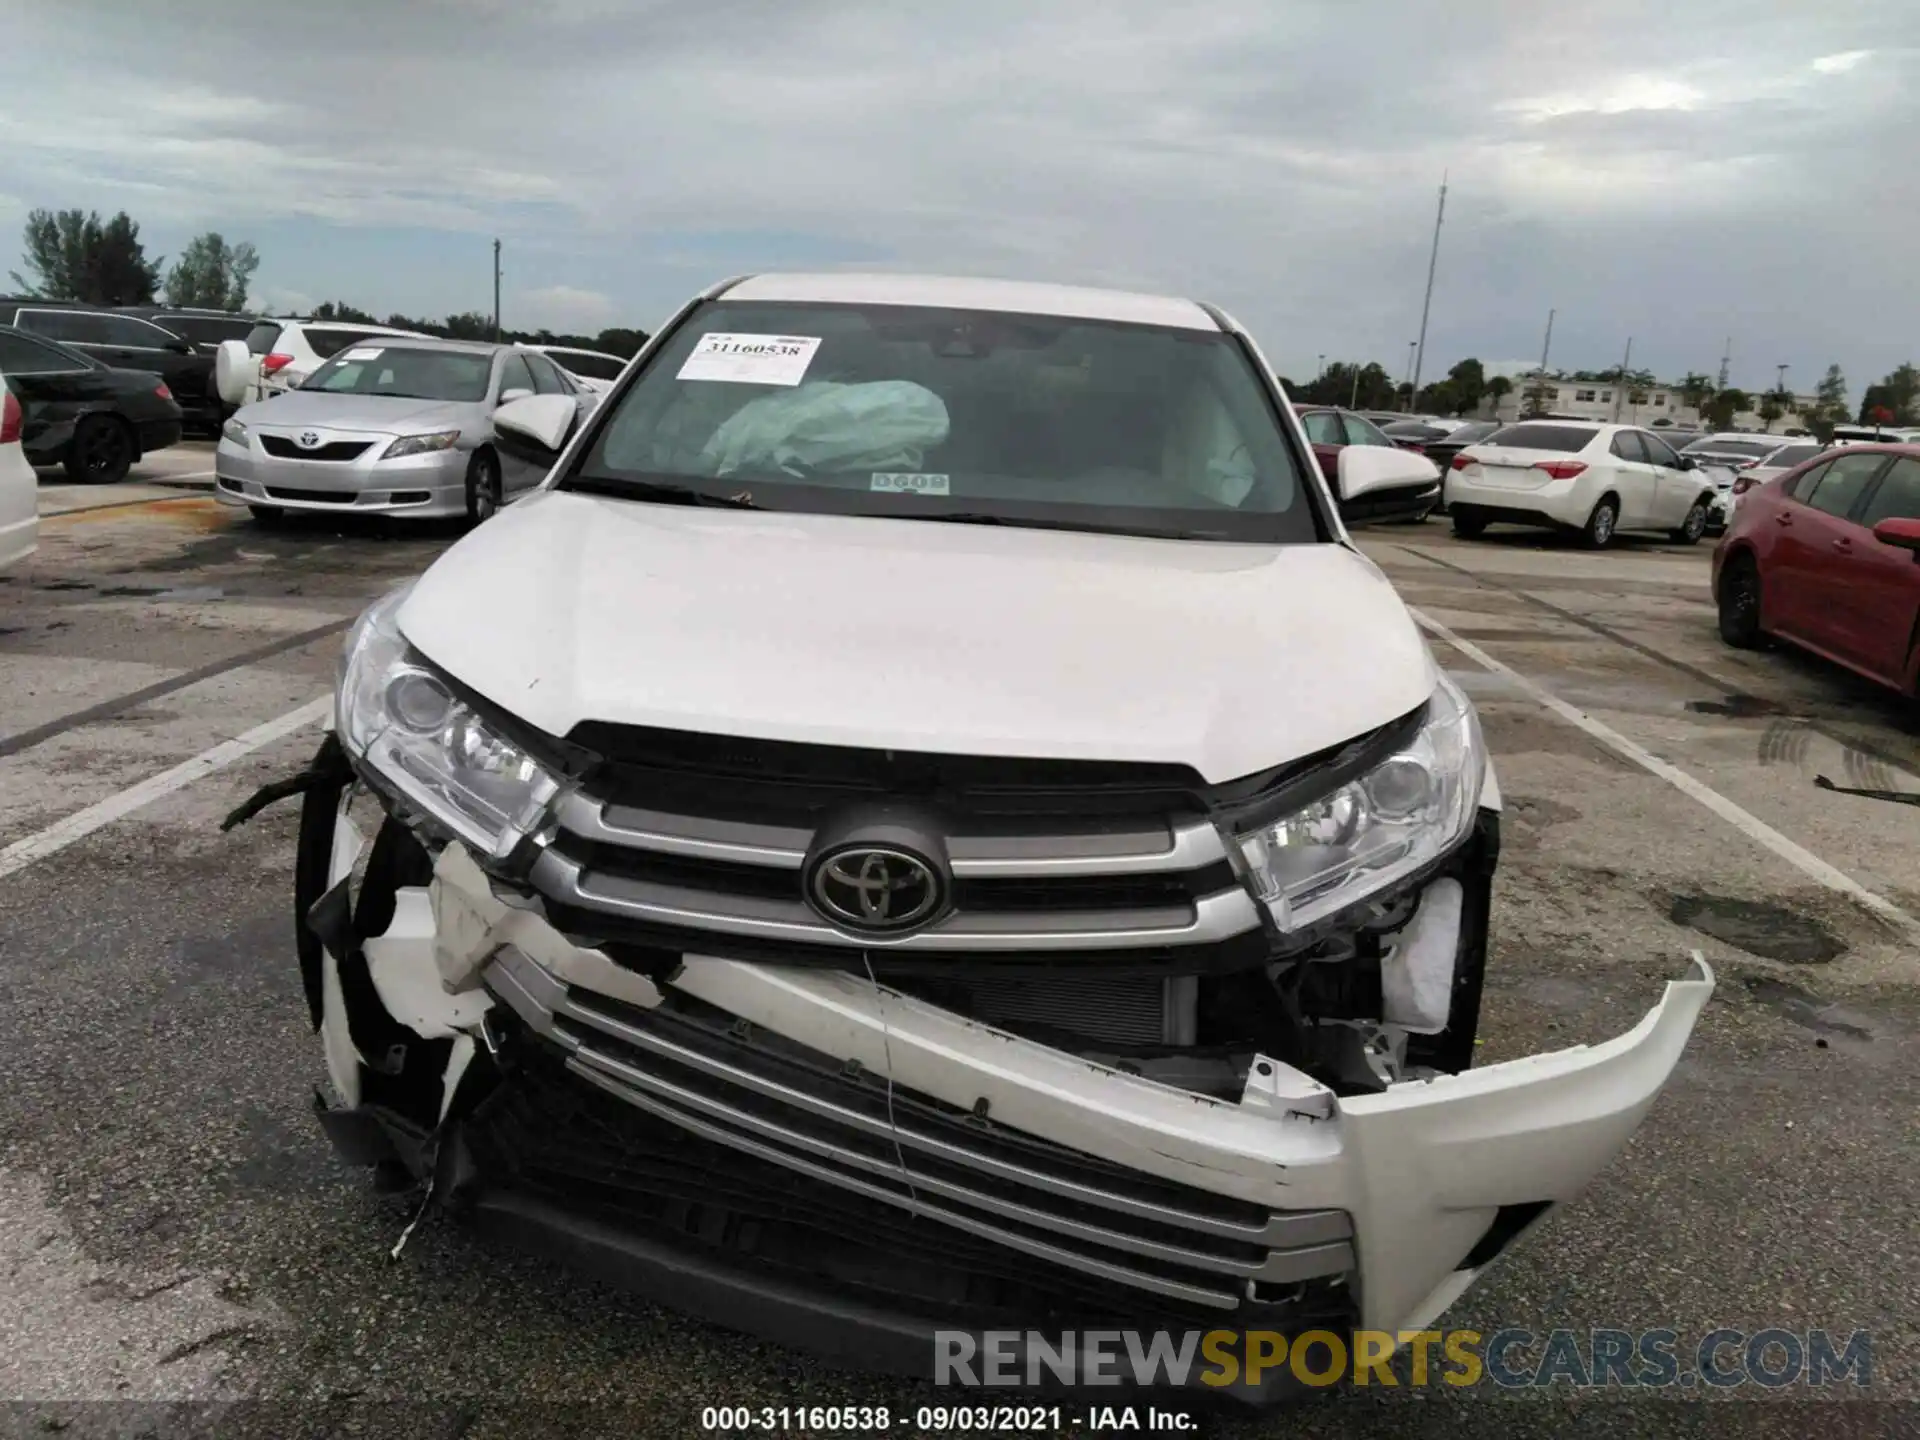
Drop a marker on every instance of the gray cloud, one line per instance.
(1677, 171)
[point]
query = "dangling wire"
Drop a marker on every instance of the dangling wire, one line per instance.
(886, 1051)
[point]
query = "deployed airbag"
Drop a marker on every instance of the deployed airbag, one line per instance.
(881, 425)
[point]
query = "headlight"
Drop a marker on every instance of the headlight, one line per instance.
(421, 444)
(396, 715)
(1408, 810)
(233, 430)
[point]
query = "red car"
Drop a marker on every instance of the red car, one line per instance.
(1827, 556)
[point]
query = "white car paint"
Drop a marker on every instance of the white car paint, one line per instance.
(575, 362)
(1015, 641)
(1069, 644)
(19, 487)
(1513, 482)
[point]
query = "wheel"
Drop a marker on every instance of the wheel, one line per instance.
(1469, 526)
(1740, 604)
(1694, 526)
(1597, 533)
(483, 486)
(101, 452)
(267, 514)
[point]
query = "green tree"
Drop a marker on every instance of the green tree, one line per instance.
(334, 310)
(619, 342)
(1469, 382)
(1696, 389)
(75, 256)
(211, 274)
(1498, 388)
(1898, 392)
(1773, 404)
(1723, 406)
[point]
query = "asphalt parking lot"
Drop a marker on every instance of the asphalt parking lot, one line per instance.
(176, 1228)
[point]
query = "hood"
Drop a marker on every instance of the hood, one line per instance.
(379, 413)
(898, 633)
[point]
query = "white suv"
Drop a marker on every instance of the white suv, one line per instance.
(278, 354)
(928, 803)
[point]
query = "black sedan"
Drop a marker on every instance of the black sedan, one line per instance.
(91, 418)
(1442, 450)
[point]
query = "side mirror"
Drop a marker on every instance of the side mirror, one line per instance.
(507, 397)
(1901, 534)
(180, 347)
(534, 428)
(1375, 484)
(1687, 462)
(234, 369)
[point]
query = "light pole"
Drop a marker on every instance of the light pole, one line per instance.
(1353, 401)
(1412, 351)
(1540, 376)
(1427, 304)
(496, 292)
(1620, 389)
(1780, 396)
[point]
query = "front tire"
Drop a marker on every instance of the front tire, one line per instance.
(101, 452)
(1739, 604)
(483, 486)
(1602, 524)
(1694, 526)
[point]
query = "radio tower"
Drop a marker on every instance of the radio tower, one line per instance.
(1726, 359)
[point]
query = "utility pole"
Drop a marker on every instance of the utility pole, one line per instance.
(1411, 346)
(1433, 259)
(1323, 369)
(496, 291)
(1620, 390)
(1780, 395)
(1353, 401)
(1540, 376)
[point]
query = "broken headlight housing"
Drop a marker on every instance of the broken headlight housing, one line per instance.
(1405, 812)
(402, 721)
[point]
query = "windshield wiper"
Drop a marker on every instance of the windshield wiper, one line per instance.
(659, 492)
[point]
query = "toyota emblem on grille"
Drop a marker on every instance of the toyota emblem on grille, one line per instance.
(308, 439)
(874, 888)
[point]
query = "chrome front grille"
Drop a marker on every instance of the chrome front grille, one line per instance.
(707, 856)
(799, 1111)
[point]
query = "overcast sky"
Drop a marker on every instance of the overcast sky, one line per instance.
(1676, 172)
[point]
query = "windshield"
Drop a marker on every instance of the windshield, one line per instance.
(1468, 434)
(586, 363)
(1733, 447)
(206, 329)
(405, 372)
(1570, 439)
(944, 414)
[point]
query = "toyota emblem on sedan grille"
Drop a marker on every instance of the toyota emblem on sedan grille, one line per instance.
(308, 440)
(874, 888)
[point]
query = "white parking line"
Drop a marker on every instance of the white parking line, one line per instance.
(62, 833)
(1747, 824)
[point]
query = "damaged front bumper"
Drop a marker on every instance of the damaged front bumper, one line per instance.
(710, 1134)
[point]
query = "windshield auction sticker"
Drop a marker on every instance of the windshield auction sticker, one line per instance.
(751, 359)
(363, 355)
(910, 482)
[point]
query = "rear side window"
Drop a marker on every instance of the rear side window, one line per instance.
(1841, 482)
(1791, 456)
(1898, 495)
(206, 329)
(594, 367)
(328, 341)
(1627, 446)
(22, 356)
(1659, 452)
(76, 327)
(262, 338)
(1569, 439)
(546, 378)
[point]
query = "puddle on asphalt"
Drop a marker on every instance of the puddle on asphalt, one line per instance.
(1769, 931)
(1738, 706)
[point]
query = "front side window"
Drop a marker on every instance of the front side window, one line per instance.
(1897, 497)
(935, 413)
(1659, 452)
(405, 372)
(76, 327)
(546, 378)
(514, 374)
(1841, 482)
(131, 334)
(207, 329)
(1626, 446)
(1364, 432)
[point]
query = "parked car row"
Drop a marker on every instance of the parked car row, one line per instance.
(81, 413)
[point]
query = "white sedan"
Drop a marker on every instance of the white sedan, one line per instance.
(1593, 479)
(19, 486)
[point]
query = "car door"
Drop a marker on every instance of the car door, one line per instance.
(55, 388)
(1675, 489)
(1633, 481)
(1325, 434)
(1882, 582)
(513, 373)
(1816, 534)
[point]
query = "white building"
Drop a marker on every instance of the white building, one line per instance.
(1607, 400)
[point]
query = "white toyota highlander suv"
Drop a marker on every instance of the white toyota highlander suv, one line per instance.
(926, 818)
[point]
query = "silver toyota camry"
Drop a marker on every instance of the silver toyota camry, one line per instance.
(390, 426)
